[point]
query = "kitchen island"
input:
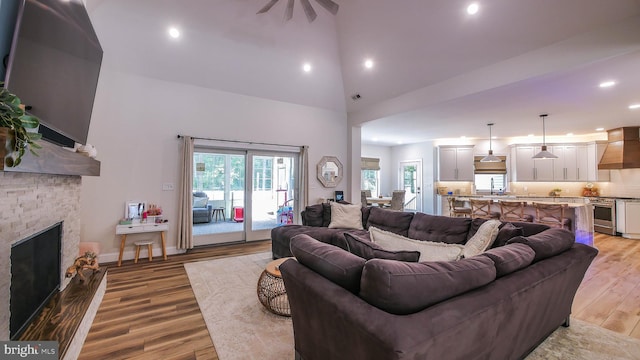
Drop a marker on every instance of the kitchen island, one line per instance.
(579, 212)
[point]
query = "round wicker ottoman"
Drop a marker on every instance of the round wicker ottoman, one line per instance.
(271, 292)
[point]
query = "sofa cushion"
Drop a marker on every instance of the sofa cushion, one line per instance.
(200, 202)
(506, 233)
(450, 230)
(483, 238)
(335, 264)
(510, 258)
(547, 243)
(326, 214)
(312, 215)
(390, 220)
(429, 251)
(404, 288)
(366, 249)
(345, 216)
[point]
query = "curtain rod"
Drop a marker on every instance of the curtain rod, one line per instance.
(242, 142)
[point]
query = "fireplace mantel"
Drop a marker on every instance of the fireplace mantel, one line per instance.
(52, 159)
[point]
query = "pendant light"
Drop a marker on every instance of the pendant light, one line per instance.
(490, 157)
(544, 154)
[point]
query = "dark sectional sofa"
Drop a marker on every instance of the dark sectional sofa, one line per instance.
(353, 300)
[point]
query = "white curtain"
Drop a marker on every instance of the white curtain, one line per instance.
(185, 212)
(304, 176)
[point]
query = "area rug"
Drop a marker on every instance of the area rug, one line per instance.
(241, 328)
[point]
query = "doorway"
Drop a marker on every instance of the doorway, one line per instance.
(411, 183)
(246, 191)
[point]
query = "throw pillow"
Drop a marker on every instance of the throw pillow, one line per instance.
(507, 232)
(367, 249)
(345, 216)
(429, 251)
(199, 202)
(483, 238)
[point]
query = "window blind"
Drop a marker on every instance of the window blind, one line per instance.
(369, 163)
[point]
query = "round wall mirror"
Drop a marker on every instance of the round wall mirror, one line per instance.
(329, 171)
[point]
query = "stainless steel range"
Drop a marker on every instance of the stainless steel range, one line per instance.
(604, 215)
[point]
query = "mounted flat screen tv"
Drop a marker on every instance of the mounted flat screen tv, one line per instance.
(53, 67)
(35, 276)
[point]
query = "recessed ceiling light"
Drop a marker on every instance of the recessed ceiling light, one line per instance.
(375, 139)
(306, 67)
(634, 106)
(494, 137)
(399, 142)
(530, 135)
(606, 84)
(569, 134)
(599, 129)
(174, 32)
(473, 9)
(368, 63)
(463, 137)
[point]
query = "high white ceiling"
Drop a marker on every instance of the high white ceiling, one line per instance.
(438, 73)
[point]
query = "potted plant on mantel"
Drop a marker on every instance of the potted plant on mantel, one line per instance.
(14, 125)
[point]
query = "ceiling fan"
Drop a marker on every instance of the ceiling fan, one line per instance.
(329, 5)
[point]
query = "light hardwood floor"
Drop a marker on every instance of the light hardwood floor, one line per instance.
(149, 310)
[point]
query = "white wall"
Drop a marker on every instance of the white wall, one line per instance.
(135, 125)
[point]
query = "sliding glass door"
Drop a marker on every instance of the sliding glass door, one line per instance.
(247, 193)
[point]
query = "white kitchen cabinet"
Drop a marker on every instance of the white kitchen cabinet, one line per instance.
(565, 167)
(528, 169)
(594, 154)
(455, 163)
(627, 215)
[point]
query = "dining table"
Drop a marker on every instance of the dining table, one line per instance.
(380, 200)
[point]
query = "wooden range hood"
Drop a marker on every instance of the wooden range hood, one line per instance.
(623, 149)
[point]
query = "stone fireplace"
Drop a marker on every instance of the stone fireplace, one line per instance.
(30, 203)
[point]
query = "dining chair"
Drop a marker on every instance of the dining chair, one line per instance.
(397, 200)
(363, 198)
(482, 209)
(552, 215)
(457, 208)
(514, 211)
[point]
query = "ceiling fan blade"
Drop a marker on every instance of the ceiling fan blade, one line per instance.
(331, 6)
(288, 13)
(308, 10)
(267, 7)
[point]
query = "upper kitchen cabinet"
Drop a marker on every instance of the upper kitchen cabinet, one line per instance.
(575, 162)
(524, 168)
(595, 150)
(455, 163)
(565, 167)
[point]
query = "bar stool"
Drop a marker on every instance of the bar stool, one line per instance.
(552, 215)
(514, 211)
(455, 210)
(140, 244)
(482, 209)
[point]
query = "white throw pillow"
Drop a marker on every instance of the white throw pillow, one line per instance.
(345, 216)
(483, 238)
(429, 250)
(199, 202)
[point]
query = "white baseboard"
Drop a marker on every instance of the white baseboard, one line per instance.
(129, 254)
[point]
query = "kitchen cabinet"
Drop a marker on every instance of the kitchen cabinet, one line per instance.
(528, 169)
(575, 162)
(455, 163)
(565, 167)
(627, 215)
(594, 154)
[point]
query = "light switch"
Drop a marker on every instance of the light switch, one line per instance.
(167, 187)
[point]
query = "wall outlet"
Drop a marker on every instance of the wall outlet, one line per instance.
(167, 187)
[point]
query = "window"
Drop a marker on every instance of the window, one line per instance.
(371, 181)
(262, 173)
(484, 182)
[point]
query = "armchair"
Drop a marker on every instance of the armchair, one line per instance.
(202, 210)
